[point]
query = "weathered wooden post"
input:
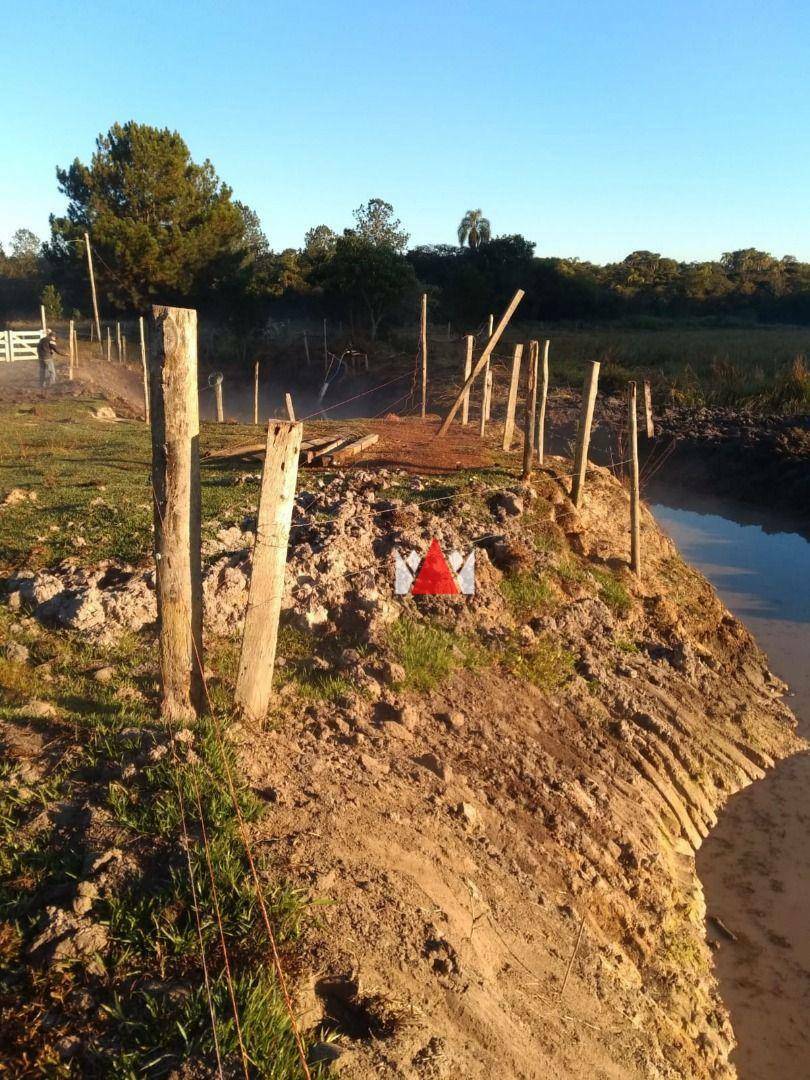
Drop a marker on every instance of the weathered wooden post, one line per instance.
(485, 397)
(256, 393)
(465, 404)
(423, 350)
(109, 346)
(218, 399)
(648, 409)
(145, 368)
(76, 347)
(514, 383)
(123, 348)
(176, 490)
(482, 360)
(635, 506)
(118, 351)
(541, 416)
(489, 335)
(44, 319)
(531, 409)
(288, 403)
(584, 433)
(260, 634)
(71, 350)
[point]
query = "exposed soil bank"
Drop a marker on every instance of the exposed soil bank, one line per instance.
(755, 865)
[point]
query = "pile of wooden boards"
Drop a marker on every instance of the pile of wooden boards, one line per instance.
(323, 450)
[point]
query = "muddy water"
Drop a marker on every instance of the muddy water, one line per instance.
(755, 866)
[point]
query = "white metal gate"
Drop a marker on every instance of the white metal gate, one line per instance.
(19, 344)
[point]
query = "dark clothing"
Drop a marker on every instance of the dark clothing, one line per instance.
(45, 350)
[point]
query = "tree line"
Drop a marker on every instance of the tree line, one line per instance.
(165, 228)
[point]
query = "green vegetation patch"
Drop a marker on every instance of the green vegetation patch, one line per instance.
(430, 653)
(612, 592)
(546, 664)
(527, 593)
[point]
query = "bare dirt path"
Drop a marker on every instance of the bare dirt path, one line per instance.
(120, 384)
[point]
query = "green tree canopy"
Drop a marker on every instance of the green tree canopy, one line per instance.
(164, 227)
(376, 224)
(372, 277)
(474, 229)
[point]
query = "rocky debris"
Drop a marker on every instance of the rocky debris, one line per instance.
(507, 504)
(104, 412)
(38, 710)
(17, 496)
(17, 653)
(67, 936)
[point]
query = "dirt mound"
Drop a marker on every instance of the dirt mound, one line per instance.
(120, 384)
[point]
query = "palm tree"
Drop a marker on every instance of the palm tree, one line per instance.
(474, 228)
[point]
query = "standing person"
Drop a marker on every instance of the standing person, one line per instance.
(46, 348)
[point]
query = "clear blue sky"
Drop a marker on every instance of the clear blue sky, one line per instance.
(592, 127)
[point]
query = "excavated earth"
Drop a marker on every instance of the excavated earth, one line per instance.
(470, 838)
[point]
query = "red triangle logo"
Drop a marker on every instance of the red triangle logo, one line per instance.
(435, 577)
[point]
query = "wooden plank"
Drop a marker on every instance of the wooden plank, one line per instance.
(482, 359)
(260, 635)
(326, 448)
(648, 409)
(354, 448)
(242, 450)
(288, 404)
(176, 489)
(514, 382)
(584, 433)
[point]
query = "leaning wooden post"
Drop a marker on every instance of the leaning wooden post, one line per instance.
(489, 335)
(635, 504)
(648, 409)
(541, 416)
(71, 350)
(514, 383)
(109, 346)
(260, 634)
(288, 403)
(218, 399)
(482, 360)
(465, 404)
(92, 277)
(145, 371)
(423, 350)
(176, 490)
(584, 433)
(530, 411)
(256, 393)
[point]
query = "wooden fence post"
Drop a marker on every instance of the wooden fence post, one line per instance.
(514, 383)
(76, 348)
(71, 354)
(531, 409)
(256, 393)
(485, 398)
(635, 507)
(423, 349)
(584, 433)
(123, 348)
(176, 490)
(43, 318)
(288, 402)
(648, 409)
(218, 400)
(260, 634)
(465, 404)
(118, 341)
(92, 277)
(482, 360)
(145, 368)
(541, 417)
(109, 346)
(489, 335)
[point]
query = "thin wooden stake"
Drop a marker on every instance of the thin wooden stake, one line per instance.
(489, 335)
(71, 353)
(123, 348)
(92, 277)
(288, 402)
(176, 489)
(118, 341)
(635, 504)
(145, 368)
(530, 411)
(573, 956)
(465, 405)
(43, 318)
(423, 350)
(584, 433)
(487, 394)
(514, 383)
(648, 409)
(482, 360)
(260, 636)
(256, 393)
(218, 400)
(109, 346)
(541, 416)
